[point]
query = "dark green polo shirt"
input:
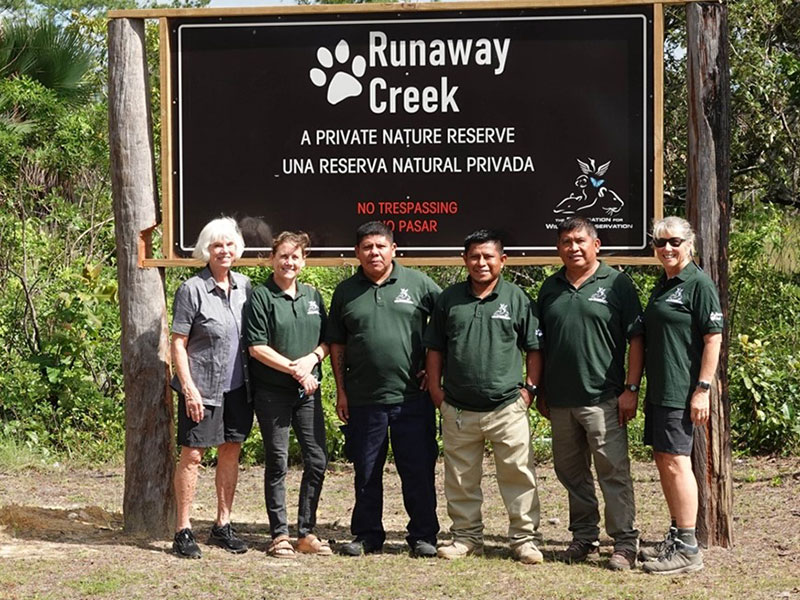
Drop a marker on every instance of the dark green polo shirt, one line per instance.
(585, 334)
(481, 341)
(382, 327)
(679, 313)
(291, 326)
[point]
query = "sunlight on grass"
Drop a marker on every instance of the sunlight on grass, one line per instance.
(16, 457)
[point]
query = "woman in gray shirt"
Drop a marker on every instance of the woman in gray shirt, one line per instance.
(210, 361)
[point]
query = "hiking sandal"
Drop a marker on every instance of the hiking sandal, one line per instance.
(281, 547)
(311, 544)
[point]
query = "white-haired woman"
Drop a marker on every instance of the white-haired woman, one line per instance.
(683, 334)
(210, 360)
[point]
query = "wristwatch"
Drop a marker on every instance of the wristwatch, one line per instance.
(631, 387)
(531, 389)
(704, 385)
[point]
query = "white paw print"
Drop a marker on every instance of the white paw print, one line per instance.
(342, 85)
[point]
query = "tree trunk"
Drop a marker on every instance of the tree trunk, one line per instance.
(708, 206)
(149, 501)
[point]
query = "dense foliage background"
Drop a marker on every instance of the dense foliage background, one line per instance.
(60, 377)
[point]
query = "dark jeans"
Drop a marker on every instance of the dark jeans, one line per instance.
(276, 412)
(411, 427)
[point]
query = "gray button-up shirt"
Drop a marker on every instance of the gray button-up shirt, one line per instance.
(204, 313)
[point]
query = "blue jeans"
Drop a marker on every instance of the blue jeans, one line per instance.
(276, 413)
(412, 430)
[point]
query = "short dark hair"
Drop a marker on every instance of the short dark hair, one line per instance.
(481, 236)
(373, 228)
(576, 223)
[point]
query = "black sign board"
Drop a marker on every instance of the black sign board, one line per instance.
(436, 122)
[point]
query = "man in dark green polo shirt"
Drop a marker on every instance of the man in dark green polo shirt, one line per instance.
(478, 330)
(588, 311)
(375, 328)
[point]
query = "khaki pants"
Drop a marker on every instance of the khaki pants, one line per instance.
(464, 433)
(593, 432)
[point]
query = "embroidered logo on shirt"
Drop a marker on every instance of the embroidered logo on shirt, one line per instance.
(313, 308)
(599, 296)
(502, 313)
(403, 297)
(716, 317)
(676, 297)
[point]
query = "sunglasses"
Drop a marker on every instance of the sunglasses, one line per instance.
(674, 242)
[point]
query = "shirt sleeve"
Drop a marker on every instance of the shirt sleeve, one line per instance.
(184, 310)
(256, 315)
(632, 321)
(435, 337)
(323, 315)
(432, 293)
(335, 331)
(529, 334)
(539, 305)
(706, 309)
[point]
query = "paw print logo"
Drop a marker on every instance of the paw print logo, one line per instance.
(342, 85)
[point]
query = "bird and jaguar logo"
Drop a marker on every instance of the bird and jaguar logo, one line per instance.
(591, 194)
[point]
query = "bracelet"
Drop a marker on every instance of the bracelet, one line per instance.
(319, 358)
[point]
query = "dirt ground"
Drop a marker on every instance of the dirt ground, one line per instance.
(61, 537)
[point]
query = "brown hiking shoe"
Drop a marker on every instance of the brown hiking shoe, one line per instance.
(623, 559)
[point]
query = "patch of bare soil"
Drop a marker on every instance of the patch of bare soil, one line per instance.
(61, 537)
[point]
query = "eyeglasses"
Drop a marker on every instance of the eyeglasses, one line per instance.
(674, 242)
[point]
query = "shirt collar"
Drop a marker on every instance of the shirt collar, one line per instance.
(686, 274)
(688, 271)
(211, 283)
(396, 267)
(278, 292)
(494, 292)
(603, 271)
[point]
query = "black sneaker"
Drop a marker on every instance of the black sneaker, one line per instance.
(359, 548)
(423, 549)
(224, 536)
(184, 545)
(578, 551)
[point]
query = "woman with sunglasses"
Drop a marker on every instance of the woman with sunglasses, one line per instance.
(683, 334)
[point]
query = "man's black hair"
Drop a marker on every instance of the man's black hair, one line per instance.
(373, 228)
(481, 236)
(576, 223)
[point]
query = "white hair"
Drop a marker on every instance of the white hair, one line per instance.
(676, 225)
(222, 229)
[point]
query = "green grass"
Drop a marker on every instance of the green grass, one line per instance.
(104, 583)
(66, 559)
(16, 457)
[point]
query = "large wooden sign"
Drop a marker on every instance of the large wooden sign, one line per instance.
(437, 122)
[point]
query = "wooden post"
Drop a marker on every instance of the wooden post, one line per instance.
(149, 500)
(709, 209)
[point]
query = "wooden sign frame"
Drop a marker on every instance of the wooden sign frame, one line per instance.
(166, 16)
